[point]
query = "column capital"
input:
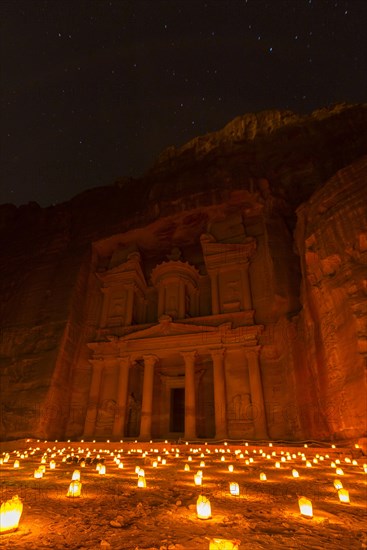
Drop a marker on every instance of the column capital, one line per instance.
(189, 355)
(150, 360)
(124, 360)
(217, 352)
(97, 363)
(253, 351)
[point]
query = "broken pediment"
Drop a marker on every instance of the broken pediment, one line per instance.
(166, 327)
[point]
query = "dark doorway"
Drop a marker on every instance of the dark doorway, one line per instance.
(177, 416)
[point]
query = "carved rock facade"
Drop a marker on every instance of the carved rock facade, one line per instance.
(223, 295)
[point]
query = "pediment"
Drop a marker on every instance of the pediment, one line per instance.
(168, 328)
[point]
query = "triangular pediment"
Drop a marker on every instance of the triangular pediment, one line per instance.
(168, 328)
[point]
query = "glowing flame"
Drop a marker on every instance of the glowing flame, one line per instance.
(305, 507)
(10, 512)
(203, 508)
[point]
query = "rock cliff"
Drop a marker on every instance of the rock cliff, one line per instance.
(294, 183)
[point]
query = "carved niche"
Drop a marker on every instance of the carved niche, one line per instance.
(227, 265)
(124, 289)
(177, 285)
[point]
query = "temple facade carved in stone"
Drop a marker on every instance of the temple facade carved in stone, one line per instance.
(178, 355)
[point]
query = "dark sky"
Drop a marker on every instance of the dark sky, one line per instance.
(93, 90)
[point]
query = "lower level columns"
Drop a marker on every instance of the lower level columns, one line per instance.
(190, 394)
(147, 402)
(121, 405)
(220, 401)
(257, 396)
(91, 417)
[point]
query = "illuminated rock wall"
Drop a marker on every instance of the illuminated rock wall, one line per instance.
(331, 346)
(243, 184)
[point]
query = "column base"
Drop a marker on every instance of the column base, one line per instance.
(144, 438)
(223, 435)
(262, 435)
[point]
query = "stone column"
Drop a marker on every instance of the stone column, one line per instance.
(91, 417)
(129, 305)
(220, 401)
(246, 289)
(121, 401)
(181, 301)
(105, 306)
(190, 394)
(161, 300)
(215, 292)
(147, 402)
(257, 396)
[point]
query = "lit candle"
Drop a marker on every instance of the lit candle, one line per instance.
(295, 473)
(305, 507)
(234, 488)
(141, 481)
(10, 512)
(75, 489)
(223, 544)
(343, 495)
(203, 508)
(198, 479)
(263, 476)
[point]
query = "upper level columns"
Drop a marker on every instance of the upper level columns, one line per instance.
(190, 394)
(220, 402)
(121, 402)
(213, 274)
(129, 305)
(181, 300)
(91, 417)
(245, 283)
(147, 402)
(257, 396)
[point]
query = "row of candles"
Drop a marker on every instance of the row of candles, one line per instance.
(11, 510)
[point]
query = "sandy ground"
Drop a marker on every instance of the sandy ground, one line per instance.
(114, 513)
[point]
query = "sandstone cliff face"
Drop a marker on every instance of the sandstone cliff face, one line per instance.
(331, 347)
(244, 181)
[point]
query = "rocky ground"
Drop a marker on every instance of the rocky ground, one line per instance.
(113, 512)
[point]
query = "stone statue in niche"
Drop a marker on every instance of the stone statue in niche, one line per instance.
(118, 306)
(187, 305)
(133, 414)
(240, 407)
(106, 414)
(232, 291)
(172, 305)
(175, 255)
(231, 296)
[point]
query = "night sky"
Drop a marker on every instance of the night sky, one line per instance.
(94, 90)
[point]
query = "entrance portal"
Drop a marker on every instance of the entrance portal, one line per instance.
(177, 413)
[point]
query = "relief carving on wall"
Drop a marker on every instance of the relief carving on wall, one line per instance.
(240, 408)
(231, 301)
